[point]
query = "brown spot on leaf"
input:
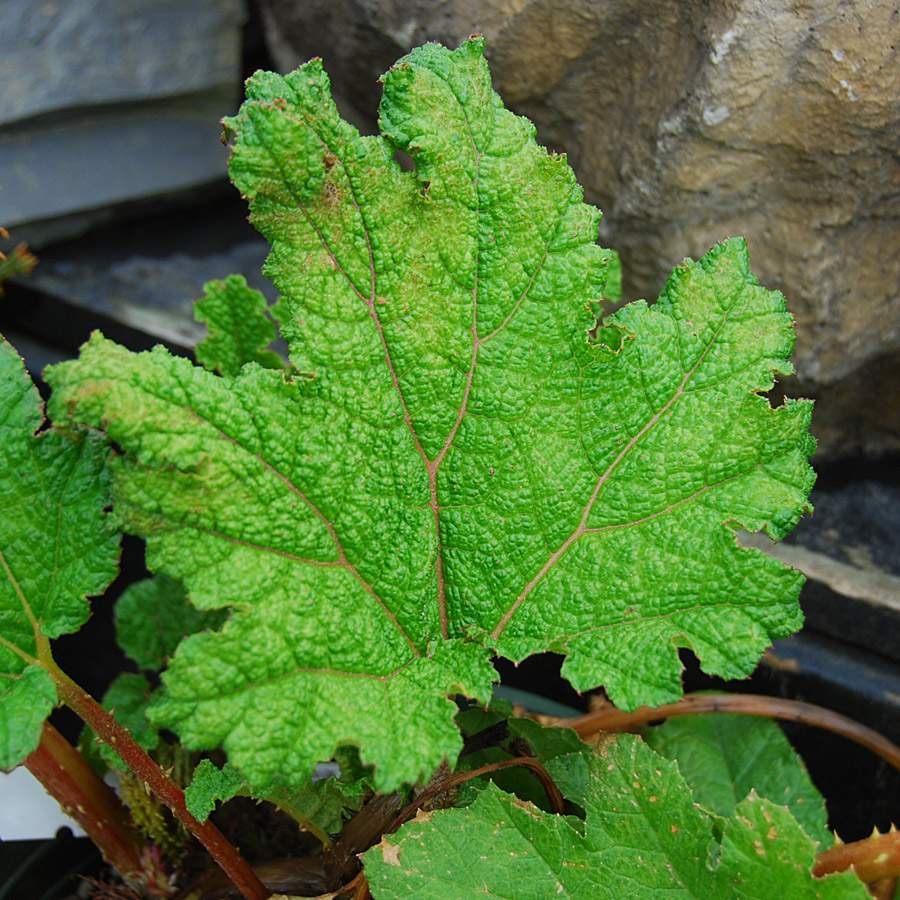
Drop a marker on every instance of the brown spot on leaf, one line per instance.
(390, 853)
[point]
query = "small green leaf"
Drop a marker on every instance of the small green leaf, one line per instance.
(239, 328)
(153, 615)
(564, 755)
(320, 805)
(560, 750)
(25, 701)
(723, 758)
(55, 547)
(211, 785)
(317, 806)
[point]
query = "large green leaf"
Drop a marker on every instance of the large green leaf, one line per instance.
(460, 468)
(643, 838)
(55, 549)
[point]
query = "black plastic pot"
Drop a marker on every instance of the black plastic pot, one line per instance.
(52, 869)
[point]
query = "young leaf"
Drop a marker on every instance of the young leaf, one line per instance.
(20, 262)
(239, 329)
(643, 837)
(317, 807)
(153, 615)
(55, 550)
(562, 753)
(723, 758)
(467, 472)
(211, 785)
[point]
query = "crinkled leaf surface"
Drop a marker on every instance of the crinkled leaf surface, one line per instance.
(209, 786)
(239, 329)
(466, 471)
(643, 838)
(26, 699)
(723, 758)
(55, 549)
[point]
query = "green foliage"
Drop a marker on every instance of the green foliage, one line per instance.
(643, 837)
(19, 262)
(26, 699)
(465, 471)
(239, 328)
(563, 754)
(723, 758)
(457, 463)
(152, 617)
(211, 785)
(55, 549)
(318, 806)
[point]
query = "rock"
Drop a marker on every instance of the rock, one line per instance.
(687, 122)
(106, 103)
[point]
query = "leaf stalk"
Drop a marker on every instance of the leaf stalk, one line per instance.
(612, 719)
(85, 797)
(136, 758)
(872, 859)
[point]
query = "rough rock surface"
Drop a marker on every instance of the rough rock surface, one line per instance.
(690, 121)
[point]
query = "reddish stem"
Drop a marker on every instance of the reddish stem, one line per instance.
(133, 755)
(872, 859)
(452, 781)
(67, 777)
(612, 719)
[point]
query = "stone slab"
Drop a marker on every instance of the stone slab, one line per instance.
(107, 103)
(104, 159)
(65, 54)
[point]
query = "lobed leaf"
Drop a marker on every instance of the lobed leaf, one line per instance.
(317, 806)
(55, 549)
(152, 617)
(465, 470)
(211, 785)
(643, 837)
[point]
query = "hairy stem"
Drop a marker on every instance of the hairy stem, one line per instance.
(613, 719)
(81, 794)
(872, 859)
(134, 756)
